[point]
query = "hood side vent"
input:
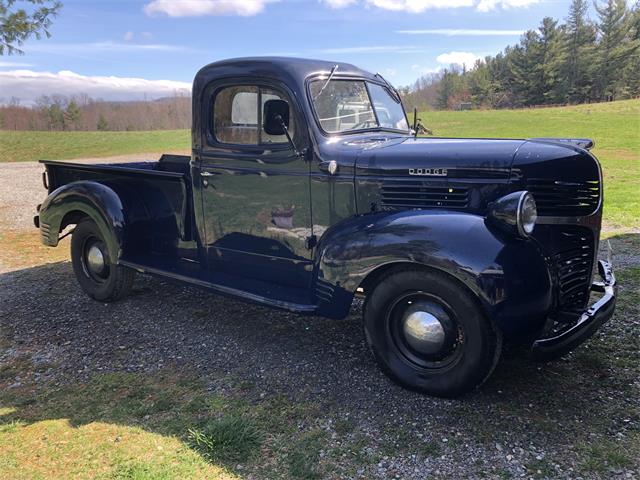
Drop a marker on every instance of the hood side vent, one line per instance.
(410, 194)
(556, 198)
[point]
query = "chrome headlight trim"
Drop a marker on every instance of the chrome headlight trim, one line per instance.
(526, 224)
(515, 213)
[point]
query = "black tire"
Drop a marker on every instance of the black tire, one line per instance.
(111, 283)
(469, 345)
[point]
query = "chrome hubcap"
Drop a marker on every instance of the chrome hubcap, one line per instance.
(95, 260)
(424, 332)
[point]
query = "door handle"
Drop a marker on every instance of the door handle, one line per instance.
(206, 174)
(330, 167)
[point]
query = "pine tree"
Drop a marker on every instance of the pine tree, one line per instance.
(526, 66)
(553, 57)
(631, 74)
(73, 114)
(55, 117)
(102, 123)
(19, 24)
(446, 90)
(580, 46)
(613, 51)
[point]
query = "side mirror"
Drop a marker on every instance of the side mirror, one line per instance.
(276, 113)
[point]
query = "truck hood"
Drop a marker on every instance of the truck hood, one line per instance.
(444, 158)
(433, 173)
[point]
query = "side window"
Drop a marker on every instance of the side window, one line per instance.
(238, 116)
(235, 115)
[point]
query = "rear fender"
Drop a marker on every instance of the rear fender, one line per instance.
(507, 275)
(97, 201)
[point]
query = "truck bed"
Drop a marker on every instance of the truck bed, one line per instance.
(156, 196)
(167, 166)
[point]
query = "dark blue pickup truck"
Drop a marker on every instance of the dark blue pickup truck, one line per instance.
(306, 188)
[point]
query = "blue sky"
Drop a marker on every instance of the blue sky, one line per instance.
(141, 42)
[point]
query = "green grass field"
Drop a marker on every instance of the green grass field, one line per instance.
(615, 127)
(31, 146)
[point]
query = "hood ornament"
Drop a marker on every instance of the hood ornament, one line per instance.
(428, 172)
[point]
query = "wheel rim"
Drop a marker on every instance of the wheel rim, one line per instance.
(95, 262)
(425, 331)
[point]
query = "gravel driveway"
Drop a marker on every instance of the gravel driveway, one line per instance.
(529, 420)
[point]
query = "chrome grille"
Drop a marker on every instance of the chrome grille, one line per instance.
(564, 198)
(420, 194)
(574, 265)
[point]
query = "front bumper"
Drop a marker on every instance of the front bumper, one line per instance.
(550, 348)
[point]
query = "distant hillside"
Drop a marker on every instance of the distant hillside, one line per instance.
(59, 113)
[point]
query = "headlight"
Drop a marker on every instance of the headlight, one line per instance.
(528, 214)
(515, 213)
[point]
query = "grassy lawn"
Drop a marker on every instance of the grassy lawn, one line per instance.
(30, 146)
(131, 426)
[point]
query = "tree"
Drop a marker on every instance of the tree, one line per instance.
(631, 74)
(102, 123)
(553, 58)
(577, 62)
(73, 114)
(580, 46)
(613, 50)
(526, 65)
(19, 24)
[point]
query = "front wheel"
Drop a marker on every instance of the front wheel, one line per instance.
(428, 334)
(98, 275)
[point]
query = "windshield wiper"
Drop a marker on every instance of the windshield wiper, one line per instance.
(333, 70)
(394, 93)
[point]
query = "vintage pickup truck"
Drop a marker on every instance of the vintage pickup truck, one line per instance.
(306, 188)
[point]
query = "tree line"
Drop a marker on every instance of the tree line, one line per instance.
(578, 61)
(63, 113)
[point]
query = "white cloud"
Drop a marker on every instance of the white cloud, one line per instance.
(487, 5)
(128, 36)
(374, 49)
(419, 6)
(28, 85)
(392, 72)
(109, 46)
(423, 70)
(467, 59)
(462, 32)
(199, 8)
(339, 3)
(4, 64)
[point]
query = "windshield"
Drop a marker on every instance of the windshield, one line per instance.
(346, 105)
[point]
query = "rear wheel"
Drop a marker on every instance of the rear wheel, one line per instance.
(428, 334)
(98, 275)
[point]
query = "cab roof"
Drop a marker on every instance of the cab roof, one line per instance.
(284, 68)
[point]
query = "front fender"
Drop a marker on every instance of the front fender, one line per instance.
(93, 199)
(508, 275)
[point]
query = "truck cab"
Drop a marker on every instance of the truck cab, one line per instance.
(306, 188)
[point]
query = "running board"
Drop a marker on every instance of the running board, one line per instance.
(222, 289)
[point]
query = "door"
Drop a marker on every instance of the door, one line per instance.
(255, 191)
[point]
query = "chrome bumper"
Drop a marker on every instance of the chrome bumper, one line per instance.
(550, 348)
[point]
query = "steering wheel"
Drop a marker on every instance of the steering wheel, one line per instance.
(365, 124)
